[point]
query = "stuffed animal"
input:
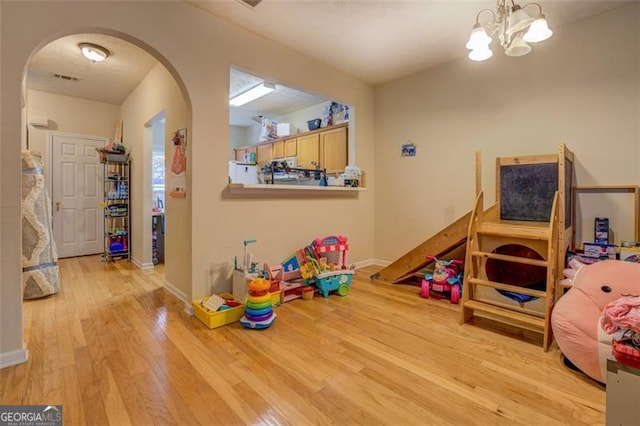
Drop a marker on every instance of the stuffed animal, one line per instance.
(576, 317)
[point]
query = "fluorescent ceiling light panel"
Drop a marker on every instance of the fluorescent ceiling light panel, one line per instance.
(252, 94)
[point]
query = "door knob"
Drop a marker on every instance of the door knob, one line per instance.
(57, 206)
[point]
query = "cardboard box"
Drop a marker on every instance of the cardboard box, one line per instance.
(600, 250)
(220, 317)
(601, 230)
(630, 251)
(286, 129)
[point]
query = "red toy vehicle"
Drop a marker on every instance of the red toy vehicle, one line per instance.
(445, 278)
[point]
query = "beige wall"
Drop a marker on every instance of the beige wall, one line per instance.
(70, 115)
(201, 54)
(156, 93)
(299, 118)
(580, 87)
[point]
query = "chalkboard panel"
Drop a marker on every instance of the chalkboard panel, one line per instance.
(527, 190)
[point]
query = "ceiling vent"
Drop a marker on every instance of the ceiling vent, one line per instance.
(251, 3)
(65, 77)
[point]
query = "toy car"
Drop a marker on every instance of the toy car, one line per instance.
(445, 278)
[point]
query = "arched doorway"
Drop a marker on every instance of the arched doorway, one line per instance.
(132, 106)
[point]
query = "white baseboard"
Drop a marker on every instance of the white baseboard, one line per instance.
(180, 295)
(188, 309)
(140, 264)
(7, 359)
(372, 262)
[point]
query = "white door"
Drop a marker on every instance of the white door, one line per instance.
(77, 190)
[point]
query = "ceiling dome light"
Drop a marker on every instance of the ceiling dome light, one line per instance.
(93, 52)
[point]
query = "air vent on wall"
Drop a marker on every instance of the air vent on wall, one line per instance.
(65, 77)
(251, 3)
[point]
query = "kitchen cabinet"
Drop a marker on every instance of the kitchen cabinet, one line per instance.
(308, 151)
(284, 148)
(290, 146)
(327, 148)
(278, 149)
(264, 153)
(333, 150)
(240, 153)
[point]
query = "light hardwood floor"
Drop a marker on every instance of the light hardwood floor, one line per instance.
(113, 347)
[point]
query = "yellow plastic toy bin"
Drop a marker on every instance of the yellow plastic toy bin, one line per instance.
(220, 317)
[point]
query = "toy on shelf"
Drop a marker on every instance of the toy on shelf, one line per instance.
(445, 278)
(259, 310)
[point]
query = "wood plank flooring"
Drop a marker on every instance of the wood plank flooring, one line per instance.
(113, 347)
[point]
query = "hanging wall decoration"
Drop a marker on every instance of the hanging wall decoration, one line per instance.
(408, 149)
(178, 182)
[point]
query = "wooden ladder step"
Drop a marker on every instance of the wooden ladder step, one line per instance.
(508, 287)
(515, 230)
(529, 322)
(508, 258)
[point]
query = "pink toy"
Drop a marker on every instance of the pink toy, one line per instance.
(446, 278)
(623, 313)
(576, 316)
(332, 245)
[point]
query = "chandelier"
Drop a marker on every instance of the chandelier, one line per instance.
(513, 26)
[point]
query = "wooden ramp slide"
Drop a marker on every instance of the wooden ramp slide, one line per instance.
(448, 242)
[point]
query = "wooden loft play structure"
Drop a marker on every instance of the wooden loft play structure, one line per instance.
(446, 244)
(511, 247)
(520, 242)
(449, 243)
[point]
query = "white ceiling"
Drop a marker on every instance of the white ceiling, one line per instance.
(111, 80)
(283, 100)
(380, 40)
(375, 40)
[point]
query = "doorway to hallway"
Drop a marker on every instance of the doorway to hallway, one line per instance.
(77, 190)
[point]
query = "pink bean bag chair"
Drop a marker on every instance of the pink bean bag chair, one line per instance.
(576, 317)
